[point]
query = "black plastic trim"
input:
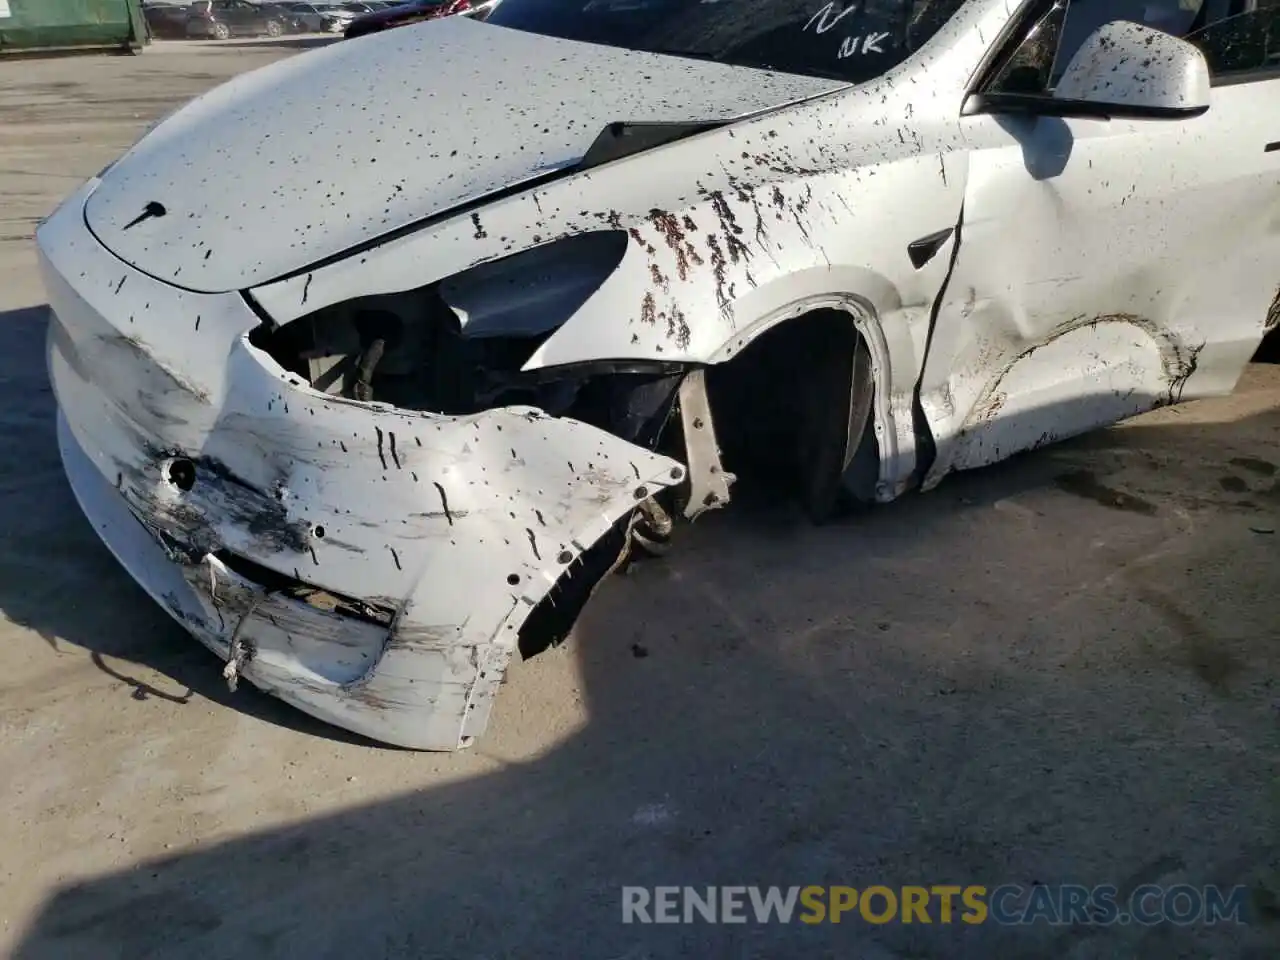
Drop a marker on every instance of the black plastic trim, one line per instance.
(926, 248)
(1040, 105)
(926, 445)
(1007, 43)
(621, 139)
(586, 369)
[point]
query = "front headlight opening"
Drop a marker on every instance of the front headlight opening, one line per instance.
(457, 347)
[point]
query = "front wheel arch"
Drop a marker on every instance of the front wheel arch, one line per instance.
(892, 357)
(794, 408)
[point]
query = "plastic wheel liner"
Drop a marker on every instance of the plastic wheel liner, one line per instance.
(369, 565)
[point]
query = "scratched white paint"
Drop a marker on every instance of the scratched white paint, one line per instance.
(1106, 266)
(461, 525)
(1102, 267)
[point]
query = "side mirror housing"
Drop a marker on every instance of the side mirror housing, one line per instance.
(1128, 70)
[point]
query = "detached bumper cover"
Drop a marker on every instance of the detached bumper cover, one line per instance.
(185, 445)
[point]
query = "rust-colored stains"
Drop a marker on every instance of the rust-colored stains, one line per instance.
(1273, 313)
(678, 328)
(638, 237)
(990, 408)
(736, 249)
(668, 225)
(675, 234)
(748, 196)
(659, 278)
(649, 309)
(718, 269)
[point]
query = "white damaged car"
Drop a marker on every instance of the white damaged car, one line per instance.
(372, 363)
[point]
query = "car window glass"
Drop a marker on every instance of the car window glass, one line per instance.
(852, 40)
(1236, 36)
(1246, 38)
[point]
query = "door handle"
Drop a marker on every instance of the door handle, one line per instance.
(926, 248)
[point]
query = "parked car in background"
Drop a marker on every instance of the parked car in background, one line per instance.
(220, 19)
(166, 21)
(417, 11)
(279, 10)
(322, 17)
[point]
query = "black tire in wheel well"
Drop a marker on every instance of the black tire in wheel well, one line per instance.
(793, 413)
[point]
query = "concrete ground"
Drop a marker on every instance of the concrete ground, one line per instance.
(1062, 669)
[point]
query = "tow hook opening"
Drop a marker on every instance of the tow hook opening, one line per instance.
(181, 472)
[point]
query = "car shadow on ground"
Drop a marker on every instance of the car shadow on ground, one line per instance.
(1014, 679)
(308, 42)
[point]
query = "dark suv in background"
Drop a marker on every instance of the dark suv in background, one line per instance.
(220, 19)
(166, 21)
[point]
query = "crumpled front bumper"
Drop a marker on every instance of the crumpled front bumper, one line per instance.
(199, 461)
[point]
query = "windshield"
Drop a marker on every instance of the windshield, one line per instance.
(852, 40)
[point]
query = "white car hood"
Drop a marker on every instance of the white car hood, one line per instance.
(316, 154)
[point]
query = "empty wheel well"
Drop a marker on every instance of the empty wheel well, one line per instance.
(793, 413)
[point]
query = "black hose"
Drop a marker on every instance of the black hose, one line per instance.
(366, 363)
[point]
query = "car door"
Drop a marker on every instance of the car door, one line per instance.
(223, 11)
(1105, 266)
(305, 16)
(242, 17)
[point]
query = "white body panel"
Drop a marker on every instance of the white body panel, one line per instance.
(1106, 267)
(313, 155)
